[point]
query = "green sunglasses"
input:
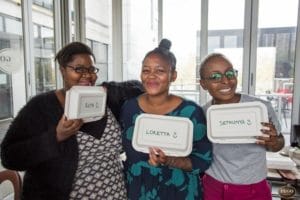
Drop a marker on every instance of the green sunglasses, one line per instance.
(217, 76)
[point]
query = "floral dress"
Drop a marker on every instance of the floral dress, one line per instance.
(146, 182)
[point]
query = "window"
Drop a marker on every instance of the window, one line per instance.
(276, 41)
(140, 34)
(183, 31)
(44, 70)
(225, 31)
(12, 76)
(100, 51)
(98, 34)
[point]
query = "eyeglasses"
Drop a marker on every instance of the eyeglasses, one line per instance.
(84, 70)
(217, 76)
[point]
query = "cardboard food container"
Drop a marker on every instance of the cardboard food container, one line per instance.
(236, 123)
(174, 135)
(85, 102)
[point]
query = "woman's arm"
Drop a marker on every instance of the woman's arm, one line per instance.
(30, 139)
(119, 92)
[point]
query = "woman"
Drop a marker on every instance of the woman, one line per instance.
(238, 171)
(68, 159)
(155, 175)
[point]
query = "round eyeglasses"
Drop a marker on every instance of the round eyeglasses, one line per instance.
(217, 77)
(84, 70)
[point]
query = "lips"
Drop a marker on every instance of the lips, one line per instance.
(152, 84)
(85, 83)
(225, 90)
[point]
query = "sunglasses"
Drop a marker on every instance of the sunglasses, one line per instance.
(218, 76)
(84, 70)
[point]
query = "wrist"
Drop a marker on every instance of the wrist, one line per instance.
(170, 161)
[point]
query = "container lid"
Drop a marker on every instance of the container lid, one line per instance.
(85, 102)
(236, 123)
(174, 135)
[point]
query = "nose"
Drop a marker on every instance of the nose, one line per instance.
(87, 74)
(152, 74)
(224, 79)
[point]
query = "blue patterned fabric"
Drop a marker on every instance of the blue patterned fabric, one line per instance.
(146, 182)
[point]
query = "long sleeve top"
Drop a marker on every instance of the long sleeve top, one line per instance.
(30, 144)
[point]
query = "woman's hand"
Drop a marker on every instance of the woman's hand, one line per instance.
(158, 157)
(67, 128)
(271, 140)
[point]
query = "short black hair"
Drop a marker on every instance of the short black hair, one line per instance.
(163, 50)
(208, 58)
(65, 55)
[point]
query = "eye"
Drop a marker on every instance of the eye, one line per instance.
(215, 76)
(145, 71)
(93, 69)
(161, 70)
(80, 69)
(230, 74)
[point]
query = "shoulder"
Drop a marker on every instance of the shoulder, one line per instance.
(133, 86)
(129, 107)
(206, 106)
(187, 102)
(35, 110)
(131, 102)
(40, 100)
(250, 98)
(190, 108)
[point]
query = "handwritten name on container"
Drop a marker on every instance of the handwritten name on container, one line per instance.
(161, 133)
(235, 122)
(91, 105)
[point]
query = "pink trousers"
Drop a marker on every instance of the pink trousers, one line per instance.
(216, 190)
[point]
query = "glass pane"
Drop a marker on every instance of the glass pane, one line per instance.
(98, 33)
(1, 24)
(275, 56)
(101, 53)
(12, 76)
(140, 22)
(13, 25)
(184, 32)
(44, 51)
(225, 31)
(44, 3)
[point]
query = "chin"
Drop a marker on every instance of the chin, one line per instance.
(225, 99)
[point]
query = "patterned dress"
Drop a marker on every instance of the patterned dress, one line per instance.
(99, 174)
(146, 182)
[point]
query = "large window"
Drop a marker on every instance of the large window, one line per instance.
(276, 41)
(98, 33)
(183, 31)
(225, 31)
(12, 76)
(140, 22)
(43, 29)
(258, 40)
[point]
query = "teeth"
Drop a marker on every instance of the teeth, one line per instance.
(225, 90)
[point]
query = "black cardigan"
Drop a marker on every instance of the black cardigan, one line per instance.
(30, 144)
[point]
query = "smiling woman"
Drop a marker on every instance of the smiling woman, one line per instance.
(55, 151)
(154, 173)
(244, 170)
